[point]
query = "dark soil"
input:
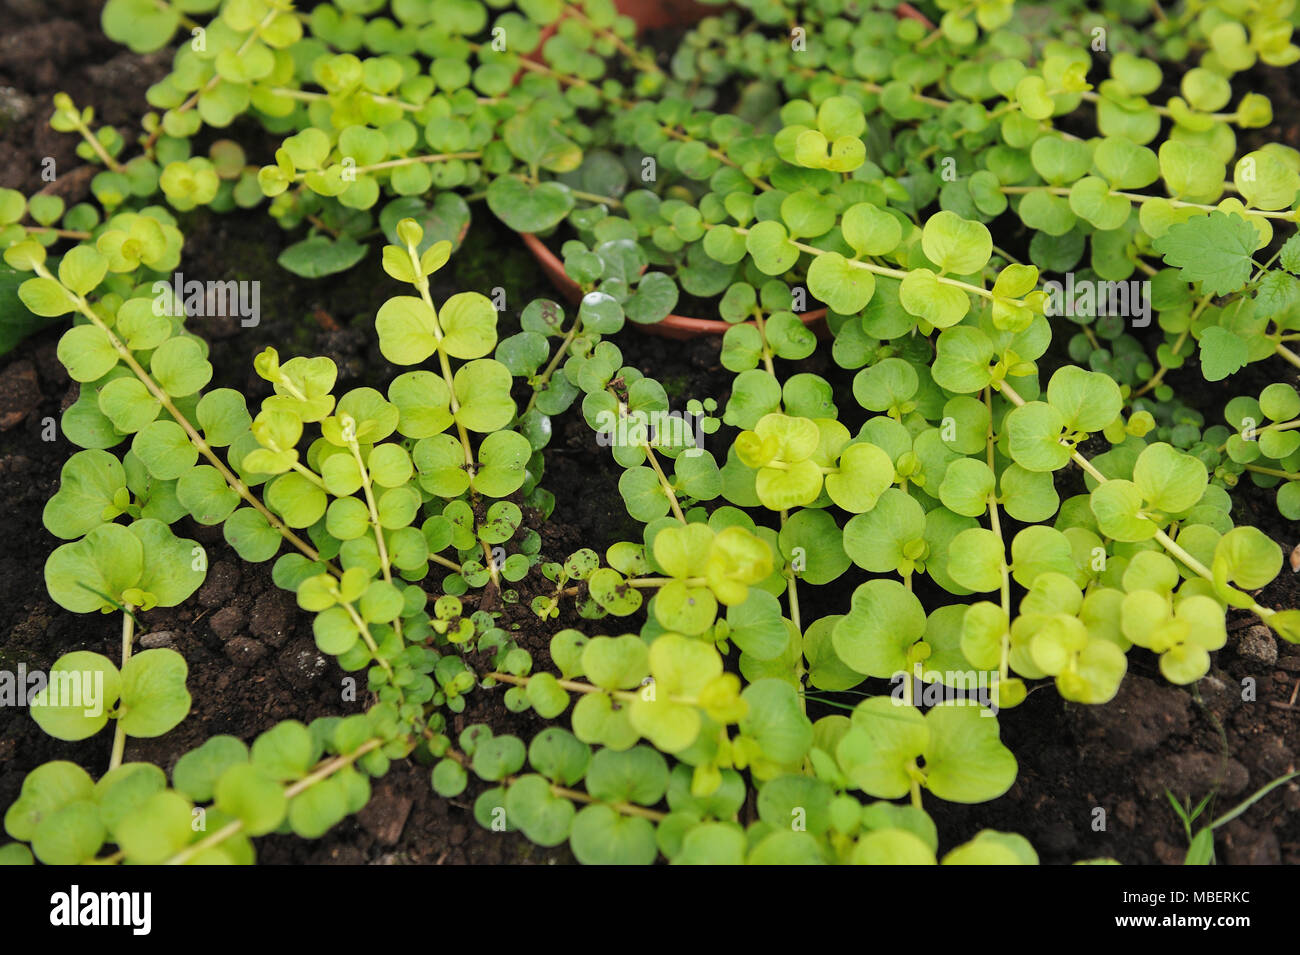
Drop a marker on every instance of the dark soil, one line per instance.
(1092, 780)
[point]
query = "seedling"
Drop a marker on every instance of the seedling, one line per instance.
(1200, 850)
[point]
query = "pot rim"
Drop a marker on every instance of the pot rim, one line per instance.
(671, 326)
(680, 326)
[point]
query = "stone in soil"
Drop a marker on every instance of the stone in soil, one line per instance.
(244, 651)
(159, 638)
(20, 393)
(1221, 693)
(220, 586)
(1246, 846)
(227, 622)
(1257, 647)
(272, 618)
(1194, 774)
(384, 817)
(301, 663)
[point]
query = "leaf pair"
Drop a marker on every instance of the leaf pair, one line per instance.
(85, 689)
(143, 565)
(965, 760)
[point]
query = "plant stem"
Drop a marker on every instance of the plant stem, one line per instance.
(204, 449)
(309, 474)
(1092, 97)
(870, 87)
(1288, 354)
(625, 808)
(927, 41)
(792, 597)
(406, 161)
(762, 337)
(119, 732)
(1007, 255)
(1165, 541)
(532, 179)
(640, 583)
(669, 131)
(1178, 551)
(717, 154)
(1274, 472)
(574, 685)
(375, 526)
(191, 432)
(322, 771)
(422, 285)
(1275, 426)
(636, 58)
(445, 562)
(792, 585)
(212, 82)
(793, 592)
(97, 146)
(61, 233)
(664, 483)
(1159, 376)
(542, 380)
(366, 636)
(892, 273)
(375, 97)
(1288, 215)
(577, 795)
(1163, 370)
(995, 524)
(593, 197)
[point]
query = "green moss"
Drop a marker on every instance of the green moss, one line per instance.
(676, 385)
(493, 257)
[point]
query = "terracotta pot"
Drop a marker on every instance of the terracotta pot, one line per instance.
(647, 14)
(673, 326)
(654, 14)
(907, 11)
(650, 14)
(547, 32)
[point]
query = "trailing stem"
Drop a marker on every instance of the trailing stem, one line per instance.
(323, 771)
(119, 731)
(1165, 541)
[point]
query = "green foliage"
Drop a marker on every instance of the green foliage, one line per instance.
(893, 176)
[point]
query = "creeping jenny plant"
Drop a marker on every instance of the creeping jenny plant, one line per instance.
(1004, 490)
